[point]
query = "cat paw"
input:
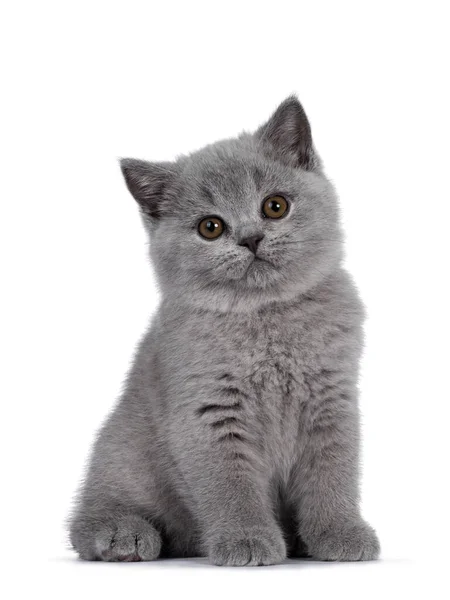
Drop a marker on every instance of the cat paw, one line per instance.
(350, 543)
(252, 548)
(126, 539)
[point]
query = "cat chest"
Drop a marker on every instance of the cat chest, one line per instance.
(272, 375)
(272, 364)
(268, 359)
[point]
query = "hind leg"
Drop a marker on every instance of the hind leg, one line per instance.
(115, 536)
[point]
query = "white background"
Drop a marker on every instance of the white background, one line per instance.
(86, 82)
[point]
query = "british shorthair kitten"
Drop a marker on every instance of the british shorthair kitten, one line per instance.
(237, 435)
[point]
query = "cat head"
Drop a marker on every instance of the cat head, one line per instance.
(242, 222)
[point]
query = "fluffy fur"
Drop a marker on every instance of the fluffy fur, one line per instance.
(237, 435)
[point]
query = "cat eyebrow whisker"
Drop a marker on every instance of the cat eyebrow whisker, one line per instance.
(208, 195)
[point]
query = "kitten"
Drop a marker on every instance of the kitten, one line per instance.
(237, 435)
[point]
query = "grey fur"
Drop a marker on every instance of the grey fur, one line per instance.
(237, 435)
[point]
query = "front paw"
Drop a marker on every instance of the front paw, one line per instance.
(252, 547)
(115, 538)
(351, 542)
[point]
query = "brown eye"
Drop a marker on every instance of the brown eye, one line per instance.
(275, 207)
(211, 228)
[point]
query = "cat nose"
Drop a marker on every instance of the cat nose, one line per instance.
(251, 242)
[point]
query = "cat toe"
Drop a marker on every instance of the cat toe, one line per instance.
(134, 540)
(351, 543)
(125, 539)
(255, 548)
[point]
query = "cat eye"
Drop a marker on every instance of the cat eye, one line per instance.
(275, 207)
(211, 227)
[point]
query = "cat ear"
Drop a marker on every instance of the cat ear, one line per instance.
(287, 135)
(150, 184)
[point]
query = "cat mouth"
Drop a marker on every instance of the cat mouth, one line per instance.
(256, 260)
(257, 263)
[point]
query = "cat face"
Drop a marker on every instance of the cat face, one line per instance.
(242, 222)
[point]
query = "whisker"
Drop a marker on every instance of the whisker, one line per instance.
(318, 271)
(304, 242)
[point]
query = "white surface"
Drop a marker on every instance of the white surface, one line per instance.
(86, 82)
(194, 578)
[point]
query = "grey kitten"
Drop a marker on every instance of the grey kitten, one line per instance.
(237, 435)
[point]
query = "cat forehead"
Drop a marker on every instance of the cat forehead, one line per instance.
(216, 175)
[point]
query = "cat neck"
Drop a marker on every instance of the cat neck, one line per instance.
(227, 300)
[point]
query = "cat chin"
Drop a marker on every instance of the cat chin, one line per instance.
(259, 273)
(245, 297)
